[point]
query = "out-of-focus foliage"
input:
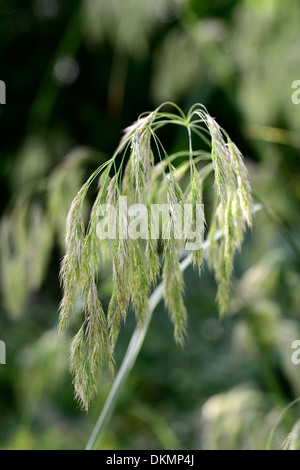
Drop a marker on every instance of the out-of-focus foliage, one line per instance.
(76, 74)
(128, 26)
(266, 61)
(32, 223)
(239, 419)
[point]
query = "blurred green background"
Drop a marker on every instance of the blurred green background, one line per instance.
(76, 74)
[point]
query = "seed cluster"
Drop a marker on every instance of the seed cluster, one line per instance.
(137, 264)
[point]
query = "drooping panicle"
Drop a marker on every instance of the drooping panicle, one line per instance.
(137, 261)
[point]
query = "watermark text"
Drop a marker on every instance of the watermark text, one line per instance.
(183, 222)
(2, 92)
(2, 352)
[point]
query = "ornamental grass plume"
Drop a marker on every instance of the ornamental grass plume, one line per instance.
(147, 175)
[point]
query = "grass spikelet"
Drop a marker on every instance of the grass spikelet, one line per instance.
(121, 273)
(221, 253)
(140, 282)
(229, 237)
(234, 207)
(243, 185)
(197, 214)
(172, 275)
(141, 161)
(137, 126)
(152, 260)
(176, 202)
(227, 250)
(173, 290)
(220, 159)
(79, 368)
(228, 219)
(224, 287)
(69, 295)
(212, 251)
(128, 185)
(114, 318)
(90, 347)
(94, 247)
(97, 333)
(73, 267)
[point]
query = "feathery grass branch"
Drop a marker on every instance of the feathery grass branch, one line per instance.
(136, 260)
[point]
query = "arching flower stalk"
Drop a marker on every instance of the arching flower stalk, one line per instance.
(140, 247)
